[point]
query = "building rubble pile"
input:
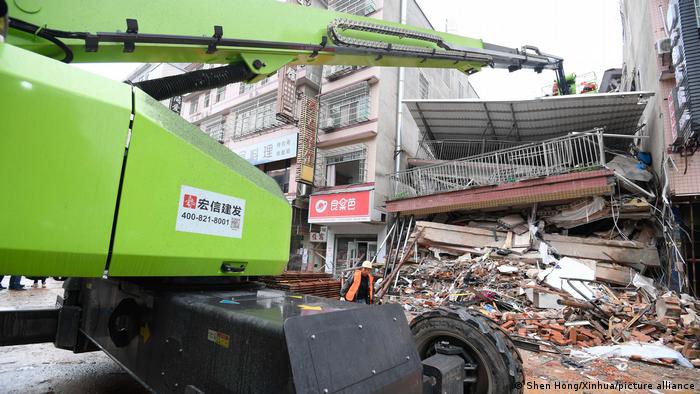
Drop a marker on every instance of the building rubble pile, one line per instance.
(557, 291)
(310, 283)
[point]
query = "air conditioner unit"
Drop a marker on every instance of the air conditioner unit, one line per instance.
(663, 46)
(328, 124)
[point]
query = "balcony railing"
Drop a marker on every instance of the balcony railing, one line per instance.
(459, 149)
(580, 152)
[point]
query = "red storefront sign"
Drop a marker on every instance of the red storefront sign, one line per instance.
(340, 207)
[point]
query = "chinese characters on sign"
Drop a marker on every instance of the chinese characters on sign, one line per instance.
(306, 157)
(340, 207)
(205, 212)
(268, 151)
(320, 236)
(286, 94)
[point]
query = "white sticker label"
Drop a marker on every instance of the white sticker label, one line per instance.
(210, 213)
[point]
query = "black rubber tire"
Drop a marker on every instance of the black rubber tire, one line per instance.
(500, 367)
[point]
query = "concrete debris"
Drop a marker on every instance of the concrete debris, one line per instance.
(560, 277)
(630, 350)
(587, 291)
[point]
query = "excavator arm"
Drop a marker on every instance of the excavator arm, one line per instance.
(254, 37)
(103, 144)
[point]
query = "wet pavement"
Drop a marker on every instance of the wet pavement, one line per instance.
(42, 368)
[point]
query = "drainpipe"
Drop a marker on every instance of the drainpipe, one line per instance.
(399, 101)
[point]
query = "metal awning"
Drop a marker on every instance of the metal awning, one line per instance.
(529, 120)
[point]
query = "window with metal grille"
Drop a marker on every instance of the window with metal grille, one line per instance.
(345, 107)
(345, 168)
(247, 87)
(215, 131)
(220, 93)
(357, 7)
(193, 105)
(206, 99)
(342, 166)
(423, 86)
(336, 72)
(255, 115)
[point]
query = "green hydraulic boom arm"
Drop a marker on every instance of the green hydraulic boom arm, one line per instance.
(101, 179)
(263, 35)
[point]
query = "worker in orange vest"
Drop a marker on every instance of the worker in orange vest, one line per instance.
(360, 285)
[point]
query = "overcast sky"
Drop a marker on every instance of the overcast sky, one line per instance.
(586, 33)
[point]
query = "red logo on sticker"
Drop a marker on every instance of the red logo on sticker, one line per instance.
(190, 201)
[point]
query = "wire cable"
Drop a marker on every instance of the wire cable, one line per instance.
(47, 34)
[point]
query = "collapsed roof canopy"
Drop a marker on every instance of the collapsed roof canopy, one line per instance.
(529, 120)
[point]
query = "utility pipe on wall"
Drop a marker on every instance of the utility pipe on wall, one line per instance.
(399, 100)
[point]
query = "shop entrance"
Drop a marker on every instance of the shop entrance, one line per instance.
(352, 250)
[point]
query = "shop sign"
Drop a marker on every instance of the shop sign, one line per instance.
(274, 149)
(306, 153)
(318, 237)
(341, 207)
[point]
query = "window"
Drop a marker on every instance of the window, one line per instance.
(193, 105)
(206, 100)
(345, 169)
(345, 107)
(215, 131)
(357, 7)
(280, 176)
(423, 86)
(460, 90)
(220, 93)
(255, 115)
(247, 87)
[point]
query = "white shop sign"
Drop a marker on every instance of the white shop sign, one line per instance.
(274, 149)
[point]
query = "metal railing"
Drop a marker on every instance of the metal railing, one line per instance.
(459, 149)
(573, 153)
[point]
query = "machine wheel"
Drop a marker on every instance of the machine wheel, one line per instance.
(492, 364)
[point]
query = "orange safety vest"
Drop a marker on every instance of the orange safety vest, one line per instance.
(357, 278)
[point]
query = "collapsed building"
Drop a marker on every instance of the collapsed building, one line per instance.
(543, 214)
(568, 166)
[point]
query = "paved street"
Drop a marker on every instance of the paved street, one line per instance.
(44, 369)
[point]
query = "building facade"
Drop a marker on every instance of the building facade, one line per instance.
(339, 217)
(662, 54)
